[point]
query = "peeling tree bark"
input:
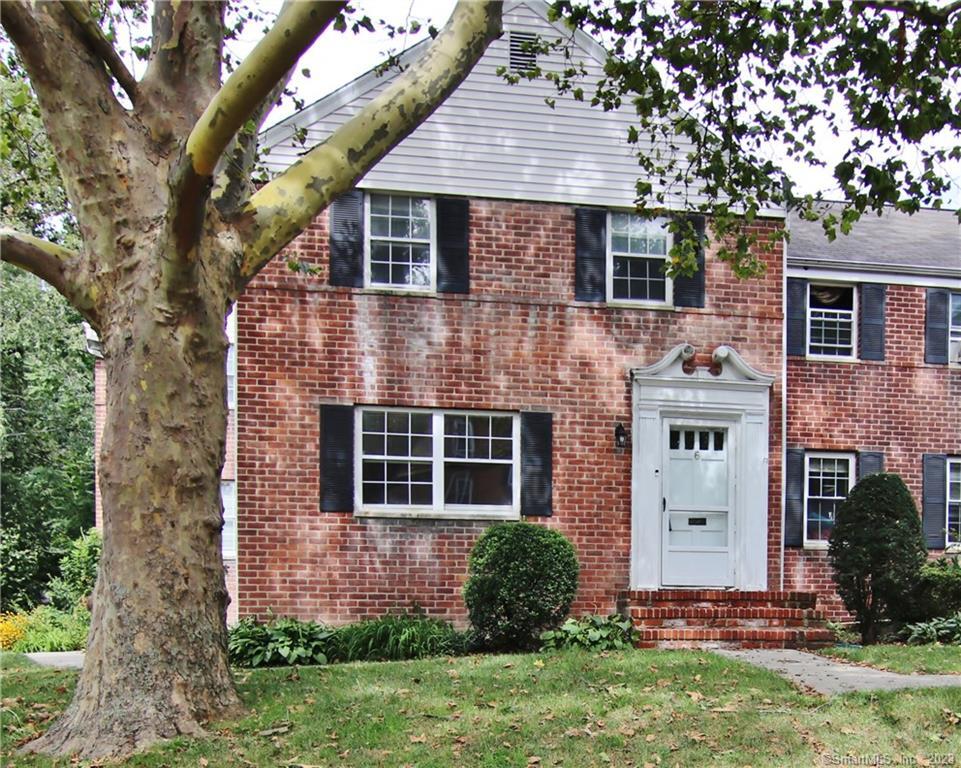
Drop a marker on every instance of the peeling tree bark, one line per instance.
(159, 267)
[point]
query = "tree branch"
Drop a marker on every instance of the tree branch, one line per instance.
(232, 185)
(295, 30)
(279, 211)
(51, 263)
(99, 45)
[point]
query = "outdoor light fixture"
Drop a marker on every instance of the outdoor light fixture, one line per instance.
(620, 436)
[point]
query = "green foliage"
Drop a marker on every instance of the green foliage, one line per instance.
(880, 82)
(521, 581)
(286, 641)
(938, 590)
(876, 550)
(393, 638)
(78, 571)
(46, 435)
(592, 633)
(946, 629)
(50, 629)
(280, 642)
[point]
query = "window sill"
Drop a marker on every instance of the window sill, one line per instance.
(430, 514)
(386, 289)
(952, 549)
(831, 359)
(625, 304)
(816, 546)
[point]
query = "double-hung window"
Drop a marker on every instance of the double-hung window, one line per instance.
(228, 537)
(637, 259)
(831, 316)
(954, 329)
(954, 502)
(438, 463)
(828, 479)
(401, 244)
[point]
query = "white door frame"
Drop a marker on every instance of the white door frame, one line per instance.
(738, 396)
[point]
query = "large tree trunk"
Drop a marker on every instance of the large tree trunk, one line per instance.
(156, 663)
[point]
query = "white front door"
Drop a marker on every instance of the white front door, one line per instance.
(697, 504)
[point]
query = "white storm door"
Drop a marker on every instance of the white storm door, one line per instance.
(697, 505)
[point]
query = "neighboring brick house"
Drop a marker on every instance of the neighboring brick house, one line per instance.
(488, 335)
(873, 343)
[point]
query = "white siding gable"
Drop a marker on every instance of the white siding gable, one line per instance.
(496, 140)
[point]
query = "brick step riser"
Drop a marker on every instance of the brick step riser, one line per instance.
(743, 645)
(713, 612)
(733, 633)
(761, 623)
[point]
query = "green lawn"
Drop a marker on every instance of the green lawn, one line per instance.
(926, 659)
(622, 709)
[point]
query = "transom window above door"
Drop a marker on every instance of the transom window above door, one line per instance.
(638, 250)
(400, 242)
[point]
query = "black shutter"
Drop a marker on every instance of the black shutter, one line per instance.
(794, 497)
(689, 291)
(536, 473)
(936, 326)
(934, 493)
(797, 316)
(869, 463)
(453, 264)
(871, 330)
(590, 254)
(346, 217)
(336, 458)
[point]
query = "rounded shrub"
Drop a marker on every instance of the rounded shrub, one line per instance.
(876, 550)
(522, 579)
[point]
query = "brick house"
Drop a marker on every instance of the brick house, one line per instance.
(487, 335)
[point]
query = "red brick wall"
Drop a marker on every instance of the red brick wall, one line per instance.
(901, 406)
(518, 341)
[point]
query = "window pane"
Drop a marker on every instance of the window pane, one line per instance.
(502, 449)
(482, 484)
(379, 227)
(420, 423)
(373, 421)
(380, 203)
(703, 440)
(675, 439)
(379, 273)
(373, 444)
(373, 493)
(688, 440)
(373, 471)
(718, 441)
(956, 311)
(398, 421)
(398, 493)
(421, 445)
(502, 426)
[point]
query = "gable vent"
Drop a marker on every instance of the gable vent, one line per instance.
(522, 58)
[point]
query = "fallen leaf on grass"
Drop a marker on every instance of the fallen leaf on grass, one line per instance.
(649, 738)
(539, 664)
(275, 731)
(422, 739)
(533, 760)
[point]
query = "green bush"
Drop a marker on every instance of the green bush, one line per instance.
(393, 638)
(876, 550)
(937, 592)
(521, 581)
(50, 629)
(946, 629)
(286, 642)
(78, 571)
(279, 642)
(592, 633)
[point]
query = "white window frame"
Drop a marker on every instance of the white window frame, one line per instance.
(438, 509)
(228, 544)
(948, 501)
(954, 332)
(231, 329)
(854, 322)
(390, 287)
(852, 479)
(668, 302)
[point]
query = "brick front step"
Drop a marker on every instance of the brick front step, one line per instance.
(670, 598)
(726, 618)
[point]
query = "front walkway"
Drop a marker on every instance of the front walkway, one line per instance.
(60, 660)
(828, 677)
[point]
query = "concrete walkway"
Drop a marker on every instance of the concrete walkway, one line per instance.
(828, 677)
(61, 660)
